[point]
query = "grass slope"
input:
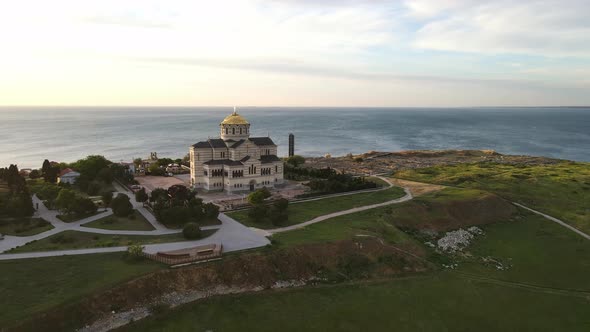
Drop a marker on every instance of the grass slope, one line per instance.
(437, 303)
(25, 227)
(81, 240)
(447, 209)
(135, 223)
(304, 211)
(33, 285)
(561, 190)
(546, 288)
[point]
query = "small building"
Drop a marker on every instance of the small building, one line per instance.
(129, 167)
(68, 176)
(173, 168)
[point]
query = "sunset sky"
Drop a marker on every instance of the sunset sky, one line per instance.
(295, 53)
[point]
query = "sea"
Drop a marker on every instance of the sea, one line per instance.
(28, 135)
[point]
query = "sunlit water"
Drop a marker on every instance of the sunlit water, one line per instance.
(30, 135)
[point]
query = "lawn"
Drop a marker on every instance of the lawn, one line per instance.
(136, 222)
(545, 288)
(561, 190)
(435, 209)
(304, 211)
(81, 240)
(30, 286)
(76, 217)
(24, 227)
(538, 251)
(442, 302)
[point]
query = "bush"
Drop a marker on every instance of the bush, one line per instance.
(121, 206)
(191, 231)
(135, 251)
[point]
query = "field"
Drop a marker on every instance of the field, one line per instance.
(304, 211)
(81, 240)
(440, 210)
(561, 190)
(538, 292)
(32, 285)
(135, 223)
(442, 302)
(25, 227)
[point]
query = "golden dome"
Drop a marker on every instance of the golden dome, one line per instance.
(234, 119)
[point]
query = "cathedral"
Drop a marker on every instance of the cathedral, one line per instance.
(235, 162)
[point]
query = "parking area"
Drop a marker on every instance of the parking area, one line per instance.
(152, 182)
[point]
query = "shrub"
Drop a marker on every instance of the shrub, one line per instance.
(135, 250)
(191, 231)
(121, 206)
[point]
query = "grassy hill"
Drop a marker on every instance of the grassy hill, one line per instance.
(561, 189)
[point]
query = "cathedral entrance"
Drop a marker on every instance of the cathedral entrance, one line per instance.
(252, 185)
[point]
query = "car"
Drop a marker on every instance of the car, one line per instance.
(136, 187)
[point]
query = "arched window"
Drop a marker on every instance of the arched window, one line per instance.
(226, 131)
(240, 130)
(233, 131)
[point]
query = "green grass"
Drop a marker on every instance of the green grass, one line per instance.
(538, 251)
(76, 217)
(30, 286)
(561, 190)
(81, 240)
(380, 221)
(442, 302)
(24, 227)
(546, 288)
(304, 211)
(369, 222)
(135, 223)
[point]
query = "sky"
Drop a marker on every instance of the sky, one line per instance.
(414, 53)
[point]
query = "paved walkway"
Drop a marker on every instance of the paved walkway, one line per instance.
(560, 222)
(405, 198)
(231, 234)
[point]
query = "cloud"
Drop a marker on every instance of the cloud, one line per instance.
(295, 67)
(544, 28)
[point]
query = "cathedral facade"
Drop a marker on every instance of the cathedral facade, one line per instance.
(235, 162)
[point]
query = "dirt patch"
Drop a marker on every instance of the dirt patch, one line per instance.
(440, 216)
(417, 188)
(360, 258)
(152, 182)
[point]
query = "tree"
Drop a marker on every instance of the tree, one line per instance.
(191, 231)
(296, 160)
(211, 211)
(174, 216)
(34, 174)
(107, 198)
(91, 165)
(278, 212)
(180, 192)
(159, 193)
(121, 205)
(258, 196)
(45, 169)
(141, 196)
(93, 188)
(156, 170)
(65, 200)
(83, 206)
(105, 175)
